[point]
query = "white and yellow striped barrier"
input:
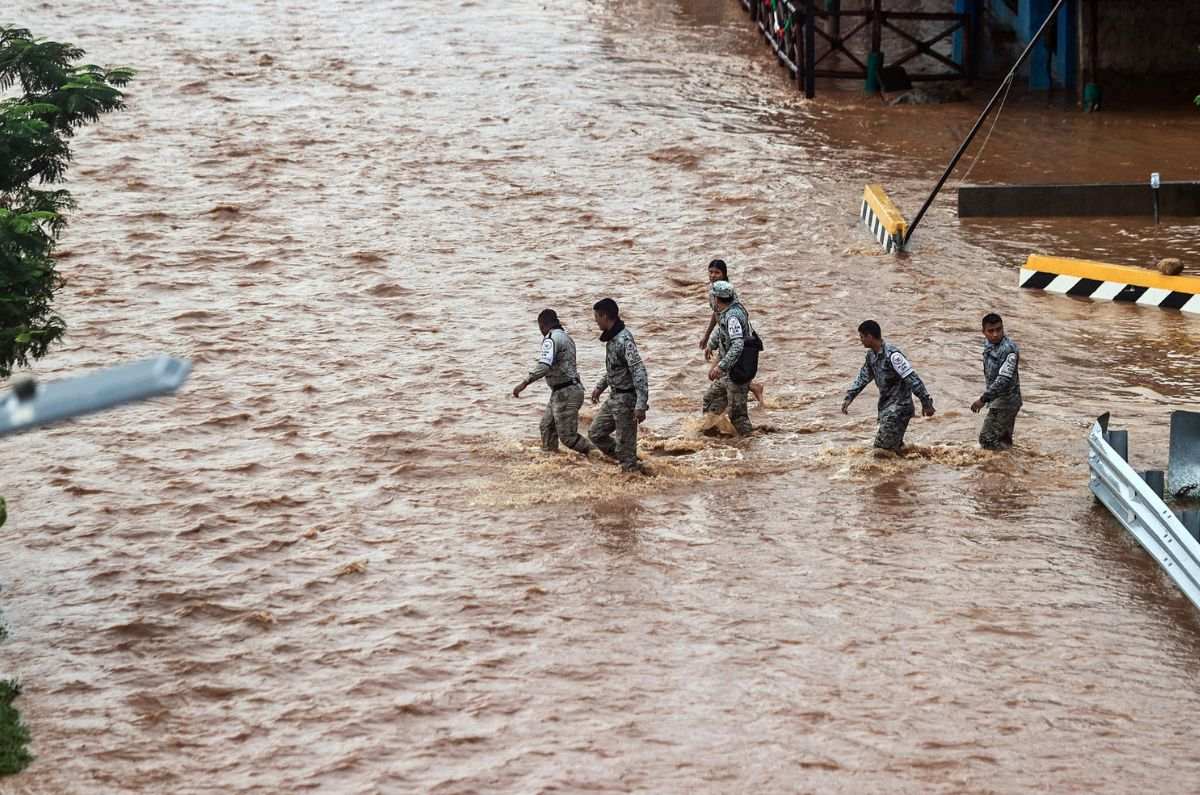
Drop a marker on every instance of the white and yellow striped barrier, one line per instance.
(1101, 281)
(883, 218)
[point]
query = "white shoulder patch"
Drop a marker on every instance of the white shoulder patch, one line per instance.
(900, 364)
(1009, 368)
(547, 355)
(735, 327)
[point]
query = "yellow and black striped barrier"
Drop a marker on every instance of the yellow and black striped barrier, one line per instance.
(1101, 281)
(878, 212)
(883, 218)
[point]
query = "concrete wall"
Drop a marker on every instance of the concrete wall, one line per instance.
(1148, 38)
(1136, 39)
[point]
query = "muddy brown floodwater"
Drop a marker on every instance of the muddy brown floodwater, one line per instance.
(338, 562)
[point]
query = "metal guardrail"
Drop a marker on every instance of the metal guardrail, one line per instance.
(30, 404)
(1135, 500)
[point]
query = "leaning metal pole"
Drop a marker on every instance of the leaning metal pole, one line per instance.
(1012, 73)
(31, 404)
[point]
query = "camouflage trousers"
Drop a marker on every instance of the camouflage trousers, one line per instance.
(617, 415)
(723, 394)
(560, 422)
(893, 423)
(997, 431)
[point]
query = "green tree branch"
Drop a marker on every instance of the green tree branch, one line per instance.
(55, 97)
(50, 96)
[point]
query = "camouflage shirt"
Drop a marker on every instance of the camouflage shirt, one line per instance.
(556, 360)
(1000, 371)
(730, 335)
(895, 377)
(623, 367)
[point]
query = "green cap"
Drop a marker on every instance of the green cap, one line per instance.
(722, 290)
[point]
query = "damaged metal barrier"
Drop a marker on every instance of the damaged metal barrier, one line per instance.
(31, 404)
(1136, 499)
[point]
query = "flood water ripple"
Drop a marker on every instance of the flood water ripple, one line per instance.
(337, 561)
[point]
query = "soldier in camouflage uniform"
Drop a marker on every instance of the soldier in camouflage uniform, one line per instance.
(897, 382)
(1002, 392)
(718, 271)
(728, 340)
(556, 363)
(629, 399)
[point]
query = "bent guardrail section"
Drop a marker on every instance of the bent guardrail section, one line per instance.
(1132, 501)
(30, 404)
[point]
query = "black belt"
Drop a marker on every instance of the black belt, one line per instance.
(624, 391)
(564, 386)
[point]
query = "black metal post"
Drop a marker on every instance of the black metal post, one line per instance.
(877, 26)
(1156, 480)
(1154, 183)
(1119, 442)
(1012, 73)
(810, 50)
(1094, 43)
(797, 34)
(1191, 522)
(971, 42)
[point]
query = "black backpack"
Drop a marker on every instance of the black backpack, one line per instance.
(746, 367)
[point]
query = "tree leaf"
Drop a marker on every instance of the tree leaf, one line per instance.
(45, 95)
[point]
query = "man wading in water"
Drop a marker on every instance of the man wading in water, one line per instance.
(556, 363)
(728, 340)
(1002, 386)
(718, 271)
(897, 382)
(626, 375)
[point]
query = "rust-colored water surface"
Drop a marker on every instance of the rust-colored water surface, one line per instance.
(338, 562)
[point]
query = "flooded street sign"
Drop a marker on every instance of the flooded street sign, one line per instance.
(30, 404)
